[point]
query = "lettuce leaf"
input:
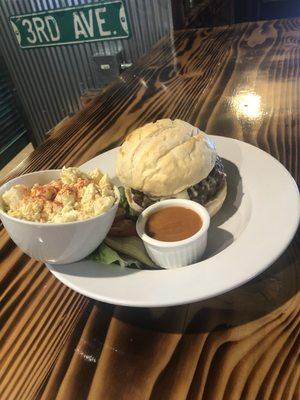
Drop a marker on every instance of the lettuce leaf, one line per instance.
(106, 255)
(129, 212)
(123, 201)
(124, 251)
(130, 246)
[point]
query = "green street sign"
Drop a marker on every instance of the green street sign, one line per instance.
(106, 20)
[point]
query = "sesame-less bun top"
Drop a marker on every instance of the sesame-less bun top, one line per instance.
(165, 157)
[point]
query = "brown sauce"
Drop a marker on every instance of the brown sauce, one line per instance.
(171, 224)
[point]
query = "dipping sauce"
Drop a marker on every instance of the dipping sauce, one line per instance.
(171, 224)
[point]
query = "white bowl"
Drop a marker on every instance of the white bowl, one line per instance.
(175, 254)
(55, 243)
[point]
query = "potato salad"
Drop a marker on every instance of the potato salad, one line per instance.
(75, 196)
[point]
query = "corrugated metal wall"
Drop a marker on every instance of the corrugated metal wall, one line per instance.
(13, 135)
(50, 80)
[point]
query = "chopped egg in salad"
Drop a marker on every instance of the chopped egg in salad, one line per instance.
(75, 196)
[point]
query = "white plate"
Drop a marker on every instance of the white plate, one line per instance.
(258, 220)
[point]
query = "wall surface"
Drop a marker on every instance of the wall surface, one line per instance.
(13, 134)
(50, 80)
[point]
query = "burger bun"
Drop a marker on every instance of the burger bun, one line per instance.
(165, 157)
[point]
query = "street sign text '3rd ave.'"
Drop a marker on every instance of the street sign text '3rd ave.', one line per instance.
(93, 22)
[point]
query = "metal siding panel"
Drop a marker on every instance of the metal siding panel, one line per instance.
(36, 78)
(50, 80)
(36, 69)
(10, 50)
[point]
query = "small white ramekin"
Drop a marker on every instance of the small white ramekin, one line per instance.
(175, 254)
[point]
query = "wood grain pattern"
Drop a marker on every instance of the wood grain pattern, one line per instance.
(240, 81)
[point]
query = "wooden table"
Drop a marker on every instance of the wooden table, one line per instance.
(240, 81)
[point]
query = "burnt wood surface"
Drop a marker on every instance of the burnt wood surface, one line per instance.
(243, 345)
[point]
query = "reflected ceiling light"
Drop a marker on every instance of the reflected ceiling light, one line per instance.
(248, 104)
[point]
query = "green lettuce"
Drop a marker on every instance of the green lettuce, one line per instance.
(124, 251)
(132, 247)
(129, 212)
(106, 255)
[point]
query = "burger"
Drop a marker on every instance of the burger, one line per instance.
(171, 159)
